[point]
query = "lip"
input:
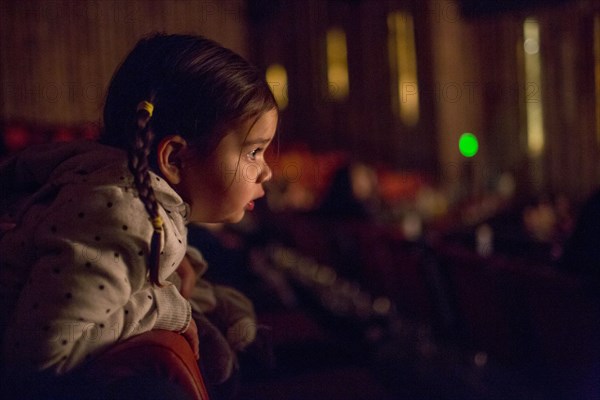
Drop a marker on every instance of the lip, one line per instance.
(250, 205)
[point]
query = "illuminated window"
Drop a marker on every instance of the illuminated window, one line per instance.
(597, 72)
(337, 64)
(277, 79)
(533, 87)
(403, 64)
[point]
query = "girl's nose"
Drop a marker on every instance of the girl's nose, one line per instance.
(265, 174)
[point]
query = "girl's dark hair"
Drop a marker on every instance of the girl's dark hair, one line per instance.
(198, 89)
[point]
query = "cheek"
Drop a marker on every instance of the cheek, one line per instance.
(249, 172)
(220, 174)
(229, 186)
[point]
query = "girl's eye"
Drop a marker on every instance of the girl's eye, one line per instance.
(254, 153)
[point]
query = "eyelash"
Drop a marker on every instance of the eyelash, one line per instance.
(252, 155)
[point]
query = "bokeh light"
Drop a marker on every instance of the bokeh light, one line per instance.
(468, 145)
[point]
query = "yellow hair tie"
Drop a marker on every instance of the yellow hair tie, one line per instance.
(146, 105)
(157, 223)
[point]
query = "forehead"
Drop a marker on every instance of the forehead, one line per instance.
(258, 130)
(261, 127)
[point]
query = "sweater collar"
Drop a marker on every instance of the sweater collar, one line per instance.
(168, 197)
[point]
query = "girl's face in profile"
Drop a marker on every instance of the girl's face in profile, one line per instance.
(224, 185)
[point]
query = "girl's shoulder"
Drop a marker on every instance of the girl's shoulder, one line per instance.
(89, 162)
(83, 178)
(39, 173)
(53, 163)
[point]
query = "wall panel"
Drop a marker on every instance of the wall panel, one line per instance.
(57, 56)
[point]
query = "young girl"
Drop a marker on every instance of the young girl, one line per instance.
(98, 228)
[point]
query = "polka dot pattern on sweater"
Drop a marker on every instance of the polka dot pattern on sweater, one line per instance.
(86, 252)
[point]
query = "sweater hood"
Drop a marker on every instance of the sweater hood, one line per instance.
(38, 171)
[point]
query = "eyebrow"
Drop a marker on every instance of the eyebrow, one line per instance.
(257, 141)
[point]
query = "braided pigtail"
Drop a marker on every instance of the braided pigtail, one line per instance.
(139, 152)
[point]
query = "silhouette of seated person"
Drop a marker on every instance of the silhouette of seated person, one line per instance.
(581, 254)
(352, 193)
(346, 212)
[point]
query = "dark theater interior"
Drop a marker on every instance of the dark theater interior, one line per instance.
(431, 229)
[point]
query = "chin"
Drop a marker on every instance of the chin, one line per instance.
(219, 218)
(237, 219)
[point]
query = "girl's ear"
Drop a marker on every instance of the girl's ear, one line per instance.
(170, 152)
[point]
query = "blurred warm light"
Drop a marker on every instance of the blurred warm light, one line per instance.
(533, 85)
(506, 185)
(337, 64)
(278, 82)
(412, 226)
(480, 359)
(16, 138)
(382, 305)
(403, 64)
(484, 240)
(531, 46)
(597, 70)
(326, 276)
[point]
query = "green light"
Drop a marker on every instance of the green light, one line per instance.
(468, 144)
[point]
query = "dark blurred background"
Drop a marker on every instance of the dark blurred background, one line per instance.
(431, 231)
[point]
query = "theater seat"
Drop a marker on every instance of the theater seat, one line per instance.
(159, 358)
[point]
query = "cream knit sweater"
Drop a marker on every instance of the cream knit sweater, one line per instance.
(73, 271)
